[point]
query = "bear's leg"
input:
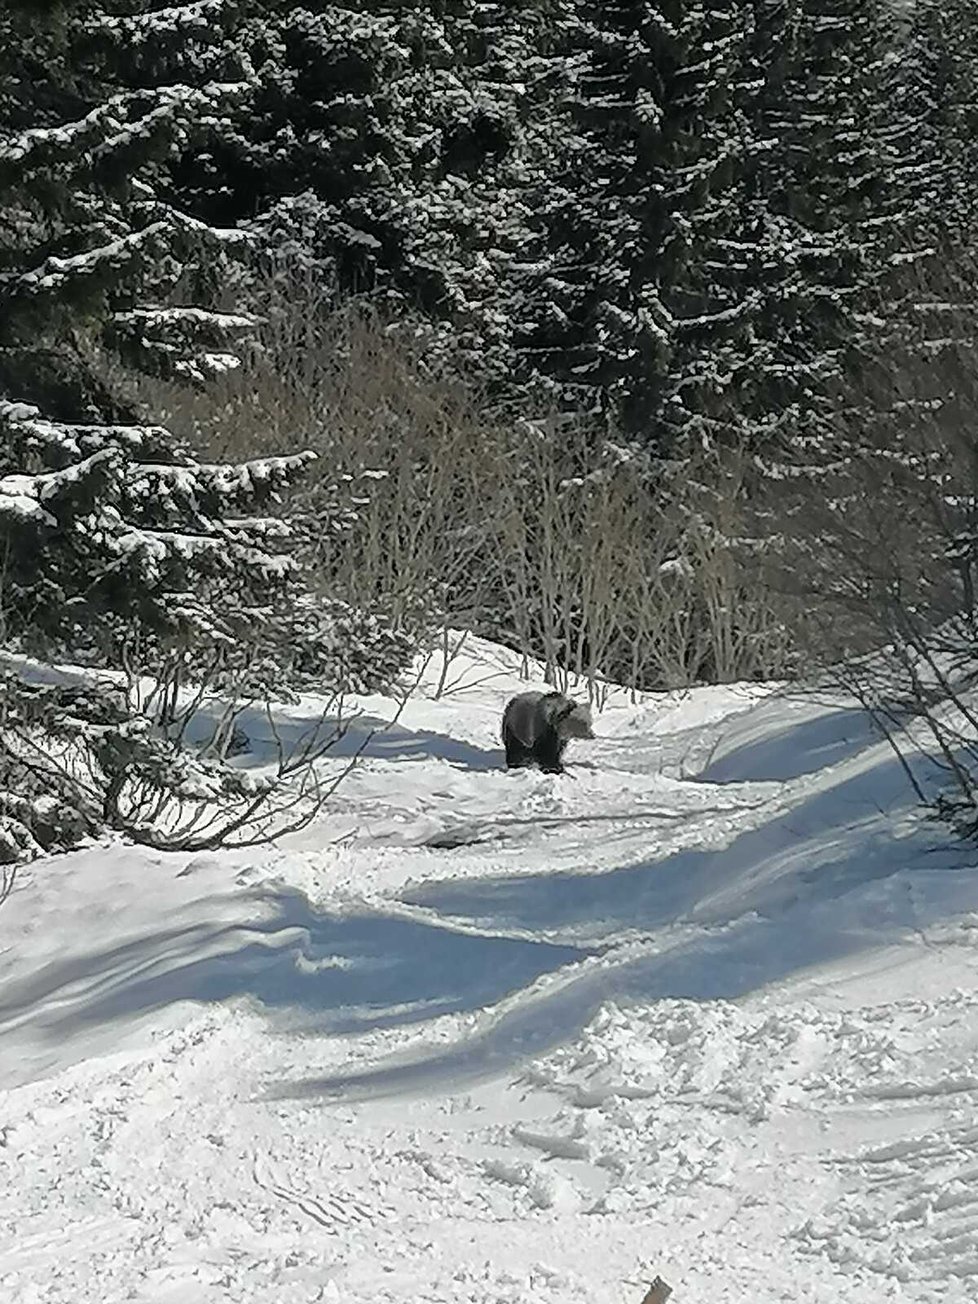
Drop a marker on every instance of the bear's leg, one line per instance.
(516, 754)
(548, 753)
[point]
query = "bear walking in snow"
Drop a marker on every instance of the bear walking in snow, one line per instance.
(538, 726)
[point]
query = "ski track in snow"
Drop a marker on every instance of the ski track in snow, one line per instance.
(706, 1006)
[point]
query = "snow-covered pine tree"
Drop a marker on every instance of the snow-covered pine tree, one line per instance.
(631, 302)
(932, 151)
(119, 544)
(823, 183)
(875, 188)
(915, 394)
(828, 175)
(384, 135)
(767, 245)
(410, 146)
(324, 126)
(500, 122)
(934, 134)
(114, 561)
(91, 251)
(120, 549)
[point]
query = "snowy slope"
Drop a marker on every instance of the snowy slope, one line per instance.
(706, 1006)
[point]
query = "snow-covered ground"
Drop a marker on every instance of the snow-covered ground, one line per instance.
(706, 1006)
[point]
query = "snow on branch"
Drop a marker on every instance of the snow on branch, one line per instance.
(116, 256)
(156, 548)
(20, 500)
(55, 272)
(174, 110)
(220, 235)
(181, 316)
(27, 497)
(37, 145)
(207, 365)
(142, 28)
(49, 438)
(122, 119)
(243, 482)
(195, 341)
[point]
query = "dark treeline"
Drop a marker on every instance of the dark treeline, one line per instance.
(686, 215)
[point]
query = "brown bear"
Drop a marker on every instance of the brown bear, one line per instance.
(537, 727)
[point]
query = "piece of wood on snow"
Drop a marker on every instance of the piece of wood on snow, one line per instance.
(658, 1292)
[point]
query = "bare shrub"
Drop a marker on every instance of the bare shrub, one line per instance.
(399, 448)
(600, 562)
(723, 625)
(616, 566)
(154, 759)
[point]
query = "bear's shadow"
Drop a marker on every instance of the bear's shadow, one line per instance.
(368, 736)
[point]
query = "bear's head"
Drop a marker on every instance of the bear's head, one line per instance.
(573, 720)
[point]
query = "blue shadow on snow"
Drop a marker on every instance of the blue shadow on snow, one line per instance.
(366, 735)
(818, 851)
(808, 888)
(343, 972)
(796, 750)
(391, 743)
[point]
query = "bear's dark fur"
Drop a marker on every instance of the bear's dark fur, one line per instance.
(538, 726)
